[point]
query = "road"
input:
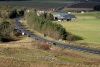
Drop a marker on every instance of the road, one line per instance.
(21, 29)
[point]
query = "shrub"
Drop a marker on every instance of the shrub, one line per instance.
(45, 26)
(16, 13)
(45, 46)
(6, 31)
(10, 12)
(71, 38)
(42, 45)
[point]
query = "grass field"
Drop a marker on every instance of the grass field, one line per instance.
(87, 26)
(24, 53)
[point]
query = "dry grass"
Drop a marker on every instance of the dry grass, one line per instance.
(26, 53)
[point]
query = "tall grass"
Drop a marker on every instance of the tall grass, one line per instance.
(45, 26)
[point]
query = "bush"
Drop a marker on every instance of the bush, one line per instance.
(6, 38)
(73, 38)
(6, 31)
(45, 26)
(42, 45)
(10, 12)
(16, 13)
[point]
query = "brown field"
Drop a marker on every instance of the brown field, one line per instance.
(29, 53)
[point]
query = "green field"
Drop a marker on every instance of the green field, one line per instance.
(87, 26)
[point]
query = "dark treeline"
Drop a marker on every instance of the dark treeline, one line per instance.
(97, 8)
(14, 0)
(11, 13)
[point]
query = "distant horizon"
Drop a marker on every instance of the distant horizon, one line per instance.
(52, 0)
(56, 0)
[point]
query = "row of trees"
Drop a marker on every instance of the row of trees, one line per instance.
(45, 26)
(11, 13)
(97, 8)
(14, 0)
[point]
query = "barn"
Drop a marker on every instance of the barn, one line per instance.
(60, 16)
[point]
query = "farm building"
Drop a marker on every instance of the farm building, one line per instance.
(60, 16)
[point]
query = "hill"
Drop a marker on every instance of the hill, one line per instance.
(84, 5)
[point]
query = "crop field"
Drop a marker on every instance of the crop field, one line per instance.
(87, 26)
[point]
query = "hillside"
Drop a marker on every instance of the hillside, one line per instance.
(84, 5)
(27, 53)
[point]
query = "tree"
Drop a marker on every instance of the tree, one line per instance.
(6, 31)
(97, 8)
(16, 13)
(50, 16)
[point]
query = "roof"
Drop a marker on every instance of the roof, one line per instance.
(63, 15)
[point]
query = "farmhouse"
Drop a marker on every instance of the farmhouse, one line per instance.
(60, 16)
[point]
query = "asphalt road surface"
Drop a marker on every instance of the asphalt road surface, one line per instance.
(21, 29)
